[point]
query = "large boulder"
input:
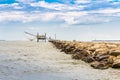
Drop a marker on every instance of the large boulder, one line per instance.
(116, 62)
(111, 59)
(101, 57)
(83, 55)
(77, 56)
(115, 53)
(116, 65)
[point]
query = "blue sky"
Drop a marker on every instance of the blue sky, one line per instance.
(69, 19)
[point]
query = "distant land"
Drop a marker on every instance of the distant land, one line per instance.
(2, 40)
(105, 40)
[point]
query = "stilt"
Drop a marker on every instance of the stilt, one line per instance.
(39, 37)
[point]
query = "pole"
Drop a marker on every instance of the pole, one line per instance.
(55, 36)
(45, 37)
(37, 37)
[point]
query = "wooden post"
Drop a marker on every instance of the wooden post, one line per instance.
(45, 37)
(37, 37)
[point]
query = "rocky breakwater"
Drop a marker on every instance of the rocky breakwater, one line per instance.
(98, 54)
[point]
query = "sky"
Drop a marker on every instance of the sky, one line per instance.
(82, 20)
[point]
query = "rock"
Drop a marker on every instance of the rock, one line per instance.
(92, 50)
(116, 65)
(100, 65)
(116, 62)
(111, 59)
(101, 57)
(77, 56)
(88, 59)
(69, 49)
(115, 53)
(83, 55)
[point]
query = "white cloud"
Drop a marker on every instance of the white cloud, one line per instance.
(70, 14)
(67, 17)
(11, 16)
(25, 1)
(25, 17)
(3, 5)
(14, 6)
(82, 1)
(108, 11)
(56, 6)
(48, 16)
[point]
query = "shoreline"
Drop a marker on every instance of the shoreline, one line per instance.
(100, 55)
(42, 61)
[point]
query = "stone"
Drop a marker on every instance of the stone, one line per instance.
(77, 56)
(115, 53)
(99, 65)
(101, 57)
(116, 65)
(116, 62)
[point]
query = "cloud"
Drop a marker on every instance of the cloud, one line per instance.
(65, 13)
(108, 11)
(25, 16)
(17, 6)
(39, 16)
(11, 16)
(13, 6)
(26, 1)
(82, 1)
(56, 6)
(70, 18)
